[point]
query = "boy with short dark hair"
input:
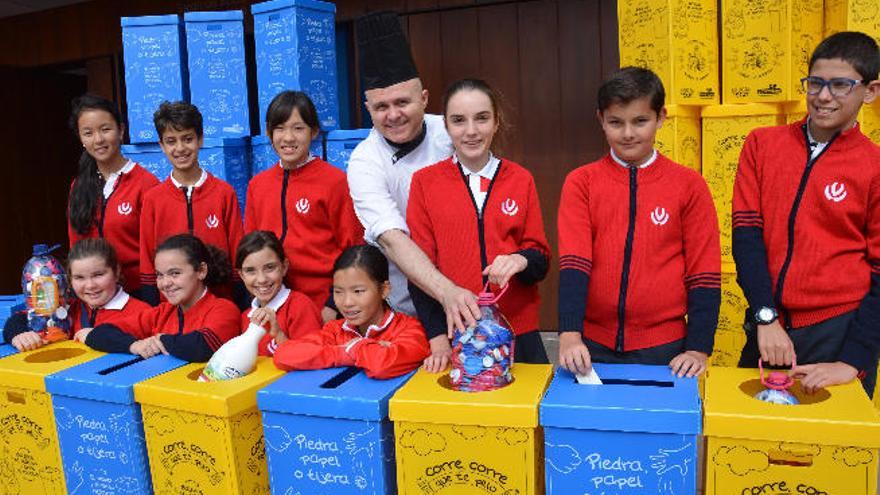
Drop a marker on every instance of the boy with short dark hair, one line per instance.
(638, 233)
(806, 227)
(190, 200)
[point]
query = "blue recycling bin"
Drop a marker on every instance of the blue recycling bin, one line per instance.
(341, 143)
(7, 350)
(263, 154)
(229, 160)
(149, 156)
(217, 71)
(295, 47)
(99, 424)
(635, 433)
(327, 431)
(8, 306)
(154, 56)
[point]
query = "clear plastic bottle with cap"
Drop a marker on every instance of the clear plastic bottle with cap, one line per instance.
(47, 294)
(777, 383)
(236, 358)
(482, 355)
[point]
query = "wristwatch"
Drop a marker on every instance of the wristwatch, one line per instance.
(765, 315)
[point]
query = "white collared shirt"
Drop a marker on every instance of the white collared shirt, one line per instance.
(303, 164)
(118, 301)
(379, 188)
(627, 165)
(189, 189)
(110, 182)
(815, 146)
(372, 328)
(275, 303)
(479, 181)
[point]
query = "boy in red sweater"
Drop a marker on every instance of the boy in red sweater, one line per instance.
(806, 227)
(190, 200)
(639, 234)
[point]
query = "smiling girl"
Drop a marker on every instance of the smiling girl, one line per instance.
(286, 313)
(107, 194)
(317, 219)
(95, 278)
(192, 323)
(371, 335)
(489, 229)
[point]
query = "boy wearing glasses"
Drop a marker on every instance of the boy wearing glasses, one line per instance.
(806, 227)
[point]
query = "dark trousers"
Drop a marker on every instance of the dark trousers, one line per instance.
(819, 343)
(529, 348)
(660, 354)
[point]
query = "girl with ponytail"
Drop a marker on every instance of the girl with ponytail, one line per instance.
(192, 323)
(106, 195)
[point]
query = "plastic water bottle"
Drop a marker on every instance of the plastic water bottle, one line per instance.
(777, 384)
(236, 358)
(46, 292)
(482, 355)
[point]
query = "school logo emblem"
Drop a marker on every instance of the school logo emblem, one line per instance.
(212, 221)
(124, 208)
(302, 206)
(659, 216)
(836, 191)
(509, 207)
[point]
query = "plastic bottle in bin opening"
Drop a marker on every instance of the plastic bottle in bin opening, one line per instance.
(236, 358)
(483, 354)
(46, 291)
(777, 384)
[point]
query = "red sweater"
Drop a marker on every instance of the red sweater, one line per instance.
(672, 240)
(297, 317)
(444, 223)
(316, 223)
(82, 317)
(214, 218)
(836, 243)
(118, 220)
(396, 348)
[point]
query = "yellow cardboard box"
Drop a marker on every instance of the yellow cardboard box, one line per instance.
(678, 40)
(869, 119)
(766, 47)
(825, 445)
(460, 443)
(795, 111)
(852, 15)
(725, 128)
(679, 138)
(30, 460)
(205, 438)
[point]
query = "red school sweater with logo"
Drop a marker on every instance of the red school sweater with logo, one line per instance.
(310, 210)
(444, 223)
(671, 236)
(212, 216)
(117, 219)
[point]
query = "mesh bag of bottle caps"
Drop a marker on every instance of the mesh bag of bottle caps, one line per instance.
(483, 354)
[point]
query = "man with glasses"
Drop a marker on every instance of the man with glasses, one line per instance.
(806, 227)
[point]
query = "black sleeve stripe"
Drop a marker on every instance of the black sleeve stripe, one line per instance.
(210, 338)
(575, 263)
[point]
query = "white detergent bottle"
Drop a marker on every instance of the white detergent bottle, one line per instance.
(236, 358)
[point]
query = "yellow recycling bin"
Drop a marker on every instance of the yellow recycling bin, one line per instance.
(725, 128)
(869, 119)
(825, 445)
(461, 443)
(678, 40)
(679, 138)
(30, 460)
(766, 47)
(205, 438)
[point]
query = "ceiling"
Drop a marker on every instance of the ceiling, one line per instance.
(9, 8)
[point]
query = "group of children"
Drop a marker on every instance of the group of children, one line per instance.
(639, 251)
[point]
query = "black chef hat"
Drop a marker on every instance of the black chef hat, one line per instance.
(384, 53)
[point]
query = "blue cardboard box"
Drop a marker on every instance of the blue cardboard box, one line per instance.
(7, 350)
(100, 430)
(327, 432)
(149, 156)
(635, 433)
(228, 159)
(341, 143)
(295, 46)
(155, 70)
(8, 306)
(217, 71)
(263, 154)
